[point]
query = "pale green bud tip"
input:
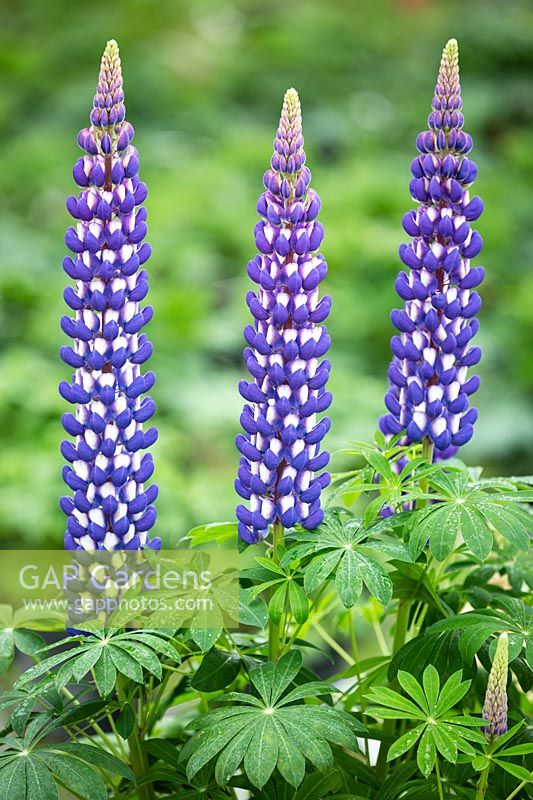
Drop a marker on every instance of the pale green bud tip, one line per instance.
(291, 115)
(450, 58)
(502, 651)
(111, 49)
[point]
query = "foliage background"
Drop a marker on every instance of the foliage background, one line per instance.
(204, 82)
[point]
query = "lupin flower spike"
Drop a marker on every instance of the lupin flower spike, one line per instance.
(495, 705)
(110, 508)
(281, 444)
(429, 385)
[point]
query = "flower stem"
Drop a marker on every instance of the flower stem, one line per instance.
(439, 780)
(483, 783)
(274, 632)
(138, 759)
(402, 623)
(427, 452)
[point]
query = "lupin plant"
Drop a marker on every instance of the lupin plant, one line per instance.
(281, 444)
(440, 584)
(430, 387)
(110, 508)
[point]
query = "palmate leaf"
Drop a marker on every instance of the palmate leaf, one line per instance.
(514, 617)
(14, 635)
(106, 653)
(30, 771)
(473, 510)
(346, 551)
(271, 730)
(437, 730)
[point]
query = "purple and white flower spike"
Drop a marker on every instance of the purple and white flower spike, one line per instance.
(429, 383)
(111, 508)
(281, 444)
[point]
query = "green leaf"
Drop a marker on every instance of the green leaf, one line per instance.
(28, 642)
(215, 738)
(105, 674)
(298, 602)
(452, 691)
(13, 780)
(262, 678)
(394, 701)
(348, 581)
(517, 750)
(252, 612)
(276, 605)
(82, 665)
(21, 715)
(426, 753)
(217, 670)
(126, 664)
(376, 578)
(162, 749)
(431, 683)
(262, 753)
(517, 771)
(75, 775)
(229, 760)
(205, 638)
(311, 746)
(46, 666)
(96, 756)
(476, 533)
(39, 783)
(509, 522)
(445, 743)
(157, 643)
(213, 532)
(291, 763)
(144, 655)
(320, 569)
(125, 723)
(442, 527)
(285, 671)
(411, 686)
(405, 742)
(318, 785)
(311, 689)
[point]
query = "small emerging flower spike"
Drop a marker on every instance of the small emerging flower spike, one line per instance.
(429, 383)
(281, 451)
(495, 705)
(111, 508)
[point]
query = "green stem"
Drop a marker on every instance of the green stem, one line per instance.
(155, 707)
(274, 632)
(333, 644)
(483, 783)
(439, 780)
(427, 452)
(515, 791)
(138, 758)
(355, 651)
(94, 725)
(402, 623)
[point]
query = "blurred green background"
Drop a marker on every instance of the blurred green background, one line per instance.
(204, 83)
